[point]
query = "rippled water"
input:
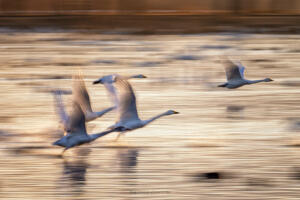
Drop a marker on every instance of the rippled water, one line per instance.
(247, 138)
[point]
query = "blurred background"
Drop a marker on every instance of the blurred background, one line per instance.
(150, 15)
(224, 144)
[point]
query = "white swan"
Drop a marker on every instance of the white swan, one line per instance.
(235, 76)
(74, 125)
(128, 118)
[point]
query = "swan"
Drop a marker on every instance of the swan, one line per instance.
(128, 118)
(74, 125)
(235, 76)
(82, 97)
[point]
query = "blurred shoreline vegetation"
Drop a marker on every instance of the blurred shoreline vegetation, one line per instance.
(153, 16)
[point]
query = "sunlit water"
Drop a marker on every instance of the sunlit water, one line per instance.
(246, 135)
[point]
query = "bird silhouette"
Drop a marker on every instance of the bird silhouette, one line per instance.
(235, 76)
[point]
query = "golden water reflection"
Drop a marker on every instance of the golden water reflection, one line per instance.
(246, 135)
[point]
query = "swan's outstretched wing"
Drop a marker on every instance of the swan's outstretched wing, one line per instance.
(234, 71)
(241, 68)
(80, 93)
(60, 109)
(77, 120)
(127, 110)
(112, 93)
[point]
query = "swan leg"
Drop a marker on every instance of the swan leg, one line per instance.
(117, 138)
(65, 149)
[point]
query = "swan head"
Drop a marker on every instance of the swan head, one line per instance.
(268, 79)
(171, 112)
(139, 76)
(106, 79)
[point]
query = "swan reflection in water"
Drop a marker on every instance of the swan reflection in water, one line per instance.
(128, 160)
(74, 171)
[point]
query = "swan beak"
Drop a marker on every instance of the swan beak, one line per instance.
(97, 81)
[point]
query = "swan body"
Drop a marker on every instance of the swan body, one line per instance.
(235, 76)
(74, 124)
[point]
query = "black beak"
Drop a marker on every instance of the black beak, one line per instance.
(97, 81)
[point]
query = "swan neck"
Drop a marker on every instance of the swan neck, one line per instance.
(97, 135)
(154, 118)
(255, 81)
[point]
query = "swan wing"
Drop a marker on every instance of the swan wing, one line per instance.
(81, 94)
(77, 120)
(127, 110)
(60, 109)
(241, 69)
(233, 71)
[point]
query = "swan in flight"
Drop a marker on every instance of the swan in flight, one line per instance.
(82, 97)
(74, 125)
(128, 118)
(235, 76)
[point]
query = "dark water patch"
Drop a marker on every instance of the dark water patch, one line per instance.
(269, 66)
(235, 112)
(149, 64)
(6, 119)
(30, 83)
(66, 64)
(26, 148)
(110, 62)
(233, 108)
(295, 173)
(265, 49)
(258, 182)
(213, 175)
(101, 42)
(187, 57)
(5, 135)
(204, 145)
(36, 151)
(215, 47)
(58, 39)
(290, 83)
(292, 145)
(262, 60)
(39, 77)
(147, 49)
(294, 51)
(37, 60)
